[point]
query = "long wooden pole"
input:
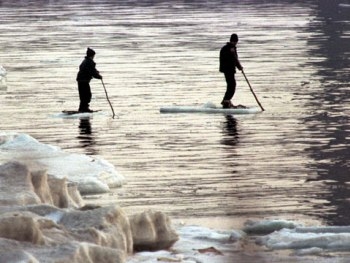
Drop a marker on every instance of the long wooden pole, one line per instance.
(110, 104)
(251, 89)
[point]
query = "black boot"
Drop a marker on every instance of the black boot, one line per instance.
(226, 104)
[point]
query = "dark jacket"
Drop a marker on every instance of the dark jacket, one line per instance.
(87, 70)
(229, 59)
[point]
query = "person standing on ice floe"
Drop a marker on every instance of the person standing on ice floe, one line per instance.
(87, 71)
(228, 63)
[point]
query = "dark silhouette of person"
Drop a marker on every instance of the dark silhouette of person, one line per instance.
(87, 71)
(228, 63)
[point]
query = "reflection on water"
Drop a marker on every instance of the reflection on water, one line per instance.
(86, 136)
(230, 129)
(289, 161)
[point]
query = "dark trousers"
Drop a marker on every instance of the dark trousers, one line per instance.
(84, 95)
(231, 85)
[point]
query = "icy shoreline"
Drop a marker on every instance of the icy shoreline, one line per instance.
(268, 240)
(43, 217)
(282, 241)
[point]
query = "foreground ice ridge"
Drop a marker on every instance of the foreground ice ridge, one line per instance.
(44, 219)
(91, 174)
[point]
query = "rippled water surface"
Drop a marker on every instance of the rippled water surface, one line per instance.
(291, 161)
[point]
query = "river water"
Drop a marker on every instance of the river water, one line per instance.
(291, 161)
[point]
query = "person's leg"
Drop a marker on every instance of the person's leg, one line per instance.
(230, 90)
(84, 95)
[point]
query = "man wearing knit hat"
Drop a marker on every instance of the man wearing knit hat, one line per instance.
(228, 64)
(87, 71)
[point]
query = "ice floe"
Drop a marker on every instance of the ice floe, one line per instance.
(92, 174)
(308, 238)
(196, 244)
(295, 243)
(267, 226)
(3, 79)
(344, 5)
(283, 234)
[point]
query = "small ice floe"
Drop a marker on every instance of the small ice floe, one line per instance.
(196, 244)
(267, 226)
(3, 80)
(2, 72)
(308, 240)
(92, 174)
(344, 5)
(207, 234)
(210, 105)
(324, 229)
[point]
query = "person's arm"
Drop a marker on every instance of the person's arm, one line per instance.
(235, 57)
(237, 62)
(239, 66)
(97, 74)
(94, 72)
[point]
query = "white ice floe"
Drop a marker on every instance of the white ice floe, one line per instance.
(291, 239)
(196, 244)
(92, 174)
(201, 244)
(2, 72)
(344, 5)
(267, 226)
(3, 79)
(208, 234)
(308, 240)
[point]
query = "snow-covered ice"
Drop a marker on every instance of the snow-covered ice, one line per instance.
(267, 226)
(298, 244)
(266, 237)
(196, 244)
(312, 238)
(92, 174)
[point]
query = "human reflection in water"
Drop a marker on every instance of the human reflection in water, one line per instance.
(231, 135)
(86, 137)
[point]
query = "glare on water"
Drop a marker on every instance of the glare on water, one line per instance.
(290, 161)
